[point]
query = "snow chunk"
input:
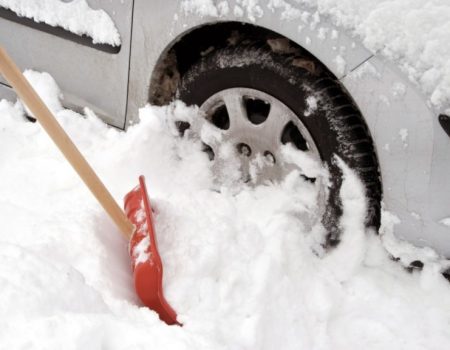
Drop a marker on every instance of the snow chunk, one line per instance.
(445, 222)
(322, 33)
(214, 8)
(311, 105)
(340, 64)
(46, 87)
(398, 90)
(223, 8)
(354, 202)
(75, 16)
(238, 11)
(141, 251)
(415, 216)
(201, 7)
(403, 133)
(253, 9)
(308, 165)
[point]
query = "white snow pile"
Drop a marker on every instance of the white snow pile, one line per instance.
(241, 268)
(415, 34)
(75, 16)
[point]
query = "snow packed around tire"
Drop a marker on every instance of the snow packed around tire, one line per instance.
(336, 124)
(241, 269)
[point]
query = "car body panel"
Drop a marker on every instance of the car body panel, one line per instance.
(86, 76)
(411, 151)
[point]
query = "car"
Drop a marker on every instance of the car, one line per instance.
(264, 79)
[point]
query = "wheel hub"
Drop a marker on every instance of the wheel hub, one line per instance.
(256, 125)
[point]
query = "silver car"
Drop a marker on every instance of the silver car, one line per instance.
(264, 83)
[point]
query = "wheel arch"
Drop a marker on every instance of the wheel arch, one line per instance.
(192, 45)
(363, 74)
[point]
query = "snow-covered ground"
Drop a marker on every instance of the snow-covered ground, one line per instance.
(241, 268)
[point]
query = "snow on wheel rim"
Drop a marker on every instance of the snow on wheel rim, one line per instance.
(258, 134)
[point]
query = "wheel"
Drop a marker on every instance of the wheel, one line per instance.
(261, 99)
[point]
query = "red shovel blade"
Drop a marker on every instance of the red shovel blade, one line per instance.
(147, 265)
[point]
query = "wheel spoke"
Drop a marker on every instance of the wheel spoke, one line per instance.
(274, 125)
(208, 133)
(236, 110)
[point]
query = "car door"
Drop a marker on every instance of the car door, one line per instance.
(89, 74)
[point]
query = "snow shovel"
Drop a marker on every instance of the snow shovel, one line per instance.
(136, 223)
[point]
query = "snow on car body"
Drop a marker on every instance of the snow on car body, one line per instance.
(411, 147)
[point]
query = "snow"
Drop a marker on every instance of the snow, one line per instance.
(398, 90)
(238, 11)
(203, 8)
(242, 269)
(403, 133)
(309, 166)
(140, 254)
(416, 216)
(75, 16)
(311, 104)
(416, 40)
(340, 64)
(50, 92)
(445, 222)
(414, 34)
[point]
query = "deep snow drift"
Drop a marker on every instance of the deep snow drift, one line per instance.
(241, 268)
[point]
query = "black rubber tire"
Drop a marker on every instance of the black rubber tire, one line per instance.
(336, 126)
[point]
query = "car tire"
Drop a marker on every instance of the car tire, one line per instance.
(336, 125)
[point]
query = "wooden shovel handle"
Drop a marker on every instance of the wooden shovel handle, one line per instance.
(40, 111)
